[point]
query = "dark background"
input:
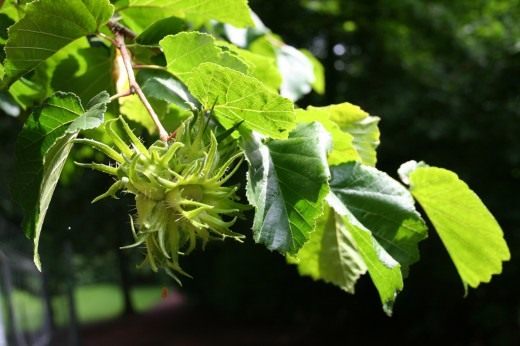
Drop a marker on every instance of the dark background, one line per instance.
(444, 78)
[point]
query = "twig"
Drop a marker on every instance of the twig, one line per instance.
(119, 42)
(119, 95)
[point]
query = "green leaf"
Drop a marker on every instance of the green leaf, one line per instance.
(383, 206)
(361, 126)
(41, 151)
(169, 114)
(48, 26)
(84, 72)
(158, 30)
(35, 87)
(140, 19)
(287, 183)
(169, 97)
(93, 117)
(187, 50)
(467, 229)
(261, 67)
(5, 23)
(243, 37)
(343, 149)
(384, 271)
(263, 45)
(330, 254)
(235, 12)
(234, 62)
(133, 109)
(163, 86)
(10, 8)
(355, 134)
(32, 89)
(27, 93)
(236, 97)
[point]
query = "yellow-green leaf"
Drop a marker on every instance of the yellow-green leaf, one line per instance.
(470, 233)
(236, 97)
(187, 50)
(235, 12)
(355, 133)
(330, 254)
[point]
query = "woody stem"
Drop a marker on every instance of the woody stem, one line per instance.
(119, 42)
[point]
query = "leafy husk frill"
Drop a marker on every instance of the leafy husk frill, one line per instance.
(180, 189)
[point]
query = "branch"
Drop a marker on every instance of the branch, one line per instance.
(119, 42)
(123, 30)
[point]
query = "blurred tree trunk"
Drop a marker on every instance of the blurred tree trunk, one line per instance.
(74, 338)
(124, 275)
(50, 324)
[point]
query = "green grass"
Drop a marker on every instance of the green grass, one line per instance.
(145, 297)
(28, 310)
(93, 303)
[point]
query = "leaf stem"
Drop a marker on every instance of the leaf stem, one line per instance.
(105, 37)
(152, 67)
(119, 42)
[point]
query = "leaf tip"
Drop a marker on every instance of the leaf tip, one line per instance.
(407, 168)
(36, 258)
(465, 284)
(388, 306)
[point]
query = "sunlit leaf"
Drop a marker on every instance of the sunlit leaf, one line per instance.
(260, 66)
(47, 26)
(187, 50)
(235, 12)
(355, 134)
(343, 149)
(236, 98)
(467, 229)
